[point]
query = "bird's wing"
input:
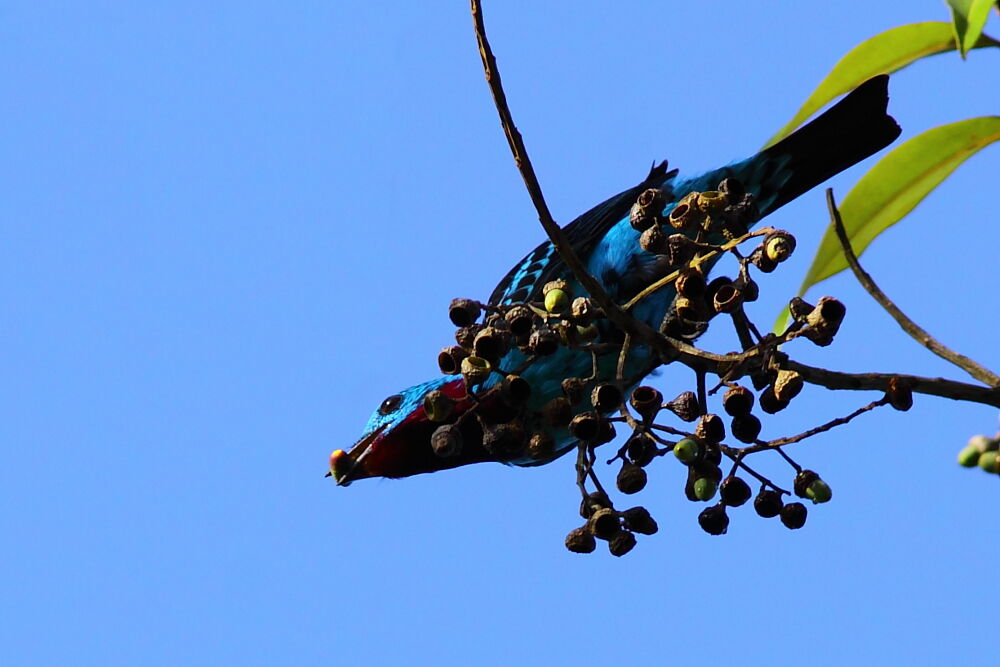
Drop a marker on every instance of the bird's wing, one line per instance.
(524, 282)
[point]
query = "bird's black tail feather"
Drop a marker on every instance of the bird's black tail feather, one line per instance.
(851, 130)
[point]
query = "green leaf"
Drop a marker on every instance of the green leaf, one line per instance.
(968, 19)
(884, 53)
(896, 184)
(893, 187)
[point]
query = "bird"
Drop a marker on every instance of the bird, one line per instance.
(396, 441)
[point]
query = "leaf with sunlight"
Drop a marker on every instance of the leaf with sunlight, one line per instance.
(968, 19)
(884, 53)
(894, 186)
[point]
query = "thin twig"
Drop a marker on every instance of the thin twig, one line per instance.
(974, 369)
(666, 347)
(839, 421)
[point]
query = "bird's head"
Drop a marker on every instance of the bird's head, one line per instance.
(397, 439)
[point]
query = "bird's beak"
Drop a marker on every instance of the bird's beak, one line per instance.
(345, 467)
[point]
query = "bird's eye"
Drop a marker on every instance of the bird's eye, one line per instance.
(390, 404)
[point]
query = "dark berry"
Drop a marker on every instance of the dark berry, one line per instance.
(734, 491)
(768, 503)
(793, 515)
(713, 520)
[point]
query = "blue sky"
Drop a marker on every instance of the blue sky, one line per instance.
(231, 229)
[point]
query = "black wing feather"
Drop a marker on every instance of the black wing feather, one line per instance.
(543, 264)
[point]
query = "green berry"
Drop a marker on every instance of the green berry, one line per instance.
(704, 488)
(969, 456)
(686, 450)
(557, 301)
(989, 462)
(819, 491)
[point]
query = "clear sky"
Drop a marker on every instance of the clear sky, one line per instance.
(230, 229)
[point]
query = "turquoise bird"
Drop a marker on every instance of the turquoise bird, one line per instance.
(397, 440)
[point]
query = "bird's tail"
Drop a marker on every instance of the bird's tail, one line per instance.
(855, 128)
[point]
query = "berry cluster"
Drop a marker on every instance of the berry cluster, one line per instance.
(983, 452)
(497, 347)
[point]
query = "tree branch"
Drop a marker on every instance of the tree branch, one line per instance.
(977, 371)
(958, 391)
(667, 347)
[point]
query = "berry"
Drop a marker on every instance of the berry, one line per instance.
(713, 520)
(638, 519)
(819, 492)
(710, 428)
(768, 503)
(580, 541)
(446, 441)
(793, 515)
(734, 491)
(737, 400)
(464, 312)
(622, 543)
(631, 479)
(704, 488)
(604, 523)
(745, 428)
(686, 450)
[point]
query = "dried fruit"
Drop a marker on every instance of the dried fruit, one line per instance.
(585, 426)
(710, 428)
(543, 342)
(745, 428)
(631, 479)
(557, 412)
(685, 406)
(638, 519)
(437, 406)
(622, 543)
(450, 360)
(737, 400)
(734, 491)
(581, 541)
(641, 449)
(604, 523)
(504, 440)
(787, 385)
(541, 446)
(520, 320)
(446, 441)
(606, 397)
(490, 343)
(475, 370)
(464, 312)
(646, 401)
(515, 390)
(793, 515)
(778, 246)
(713, 520)
(768, 503)
(593, 502)
(899, 394)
